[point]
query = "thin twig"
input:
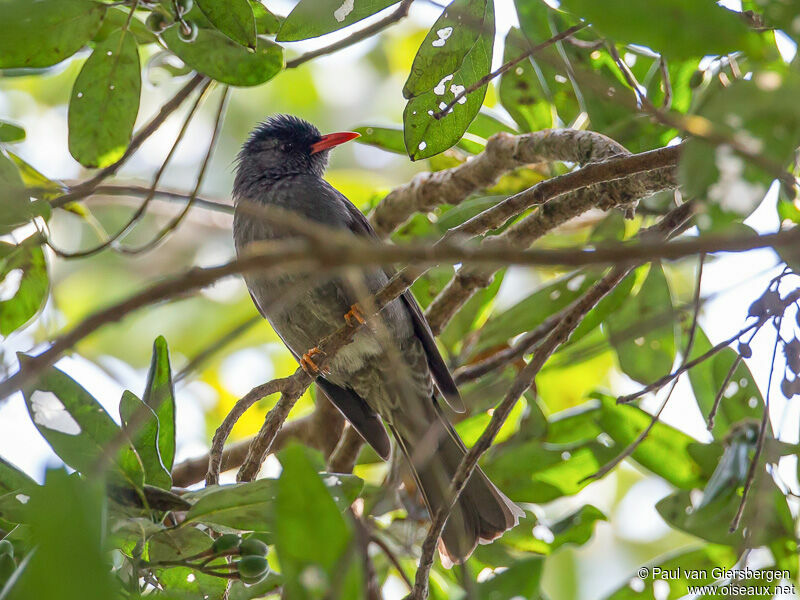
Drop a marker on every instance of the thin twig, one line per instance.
(392, 559)
(87, 187)
(215, 346)
(140, 211)
(601, 472)
(224, 430)
(507, 66)
(299, 256)
(712, 414)
(762, 433)
(173, 224)
(559, 335)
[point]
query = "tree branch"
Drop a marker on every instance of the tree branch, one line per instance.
(503, 152)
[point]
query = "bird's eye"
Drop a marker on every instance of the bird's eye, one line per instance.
(286, 147)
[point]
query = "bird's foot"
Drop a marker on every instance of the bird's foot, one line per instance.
(308, 364)
(355, 316)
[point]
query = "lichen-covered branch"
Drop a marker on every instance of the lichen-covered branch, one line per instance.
(503, 153)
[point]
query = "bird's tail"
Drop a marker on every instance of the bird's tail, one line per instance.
(482, 512)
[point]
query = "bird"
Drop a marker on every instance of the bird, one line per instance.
(390, 376)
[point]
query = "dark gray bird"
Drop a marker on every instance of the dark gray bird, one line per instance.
(281, 165)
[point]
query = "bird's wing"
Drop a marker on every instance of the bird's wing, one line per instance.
(359, 225)
(363, 419)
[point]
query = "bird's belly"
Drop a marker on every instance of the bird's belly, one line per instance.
(303, 312)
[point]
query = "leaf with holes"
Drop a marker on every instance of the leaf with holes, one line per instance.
(43, 33)
(456, 53)
(23, 283)
(76, 426)
(312, 18)
(105, 102)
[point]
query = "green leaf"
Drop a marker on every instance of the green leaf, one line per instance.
(16, 208)
(266, 22)
(519, 88)
(741, 399)
(23, 281)
(251, 506)
(766, 517)
(386, 138)
(306, 511)
(41, 34)
(116, 18)
(222, 59)
(665, 450)
(145, 438)
(177, 544)
(105, 101)
(10, 132)
(234, 18)
(76, 425)
(312, 18)
(159, 395)
(12, 479)
(538, 472)
(692, 568)
(574, 425)
(678, 29)
(46, 188)
(520, 579)
(747, 111)
(241, 591)
(576, 528)
(642, 330)
(67, 528)
(527, 314)
(453, 57)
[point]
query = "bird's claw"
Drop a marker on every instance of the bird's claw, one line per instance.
(355, 316)
(308, 364)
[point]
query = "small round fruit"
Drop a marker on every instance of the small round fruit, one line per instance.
(252, 568)
(187, 31)
(253, 547)
(229, 541)
(745, 350)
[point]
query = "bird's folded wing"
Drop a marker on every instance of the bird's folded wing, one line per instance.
(441, 374)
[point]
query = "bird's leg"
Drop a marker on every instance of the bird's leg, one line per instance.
(355, 316)
(307, 361)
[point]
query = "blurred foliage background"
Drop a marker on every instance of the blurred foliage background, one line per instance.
(580, 540)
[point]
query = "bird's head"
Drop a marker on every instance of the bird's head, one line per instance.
(287, 145)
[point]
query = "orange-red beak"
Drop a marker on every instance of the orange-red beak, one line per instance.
(330, 140)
